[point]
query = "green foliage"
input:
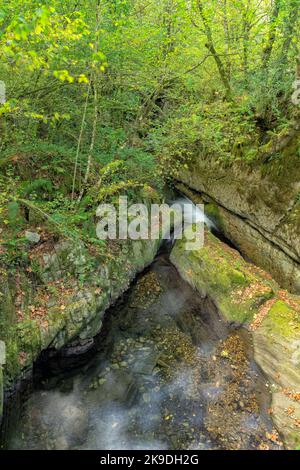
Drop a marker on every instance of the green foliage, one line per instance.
(39, 187)
(13, 212)
(210, 130)
(106, 98)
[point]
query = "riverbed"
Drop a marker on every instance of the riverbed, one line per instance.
(166, 372)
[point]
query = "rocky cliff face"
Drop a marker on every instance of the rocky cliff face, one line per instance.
(63, 302)
(248, 296)
(258, 211)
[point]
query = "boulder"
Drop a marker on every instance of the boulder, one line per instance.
(32, 237)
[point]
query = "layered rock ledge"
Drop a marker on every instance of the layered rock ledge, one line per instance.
(246, 295)
(62, 303)
(257, 208)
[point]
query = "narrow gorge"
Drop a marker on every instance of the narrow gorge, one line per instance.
(226, 348)
(149, 228)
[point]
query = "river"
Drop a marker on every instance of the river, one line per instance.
(165, 372)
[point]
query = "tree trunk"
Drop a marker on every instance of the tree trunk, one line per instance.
(210, 46)
(272, 34)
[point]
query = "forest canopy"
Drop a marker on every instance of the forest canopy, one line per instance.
(107, 96)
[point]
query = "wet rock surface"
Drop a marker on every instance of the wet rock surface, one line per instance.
(258, 212)
(248, 296)
(168, 374)
(65, 302)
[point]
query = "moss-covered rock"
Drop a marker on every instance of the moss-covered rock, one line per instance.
(221, 273)
(277, 351)
(2, 362)
(245, 294)
(258, 209)
(283, 320)
(65, 299)
(213, 212)
(1, 393)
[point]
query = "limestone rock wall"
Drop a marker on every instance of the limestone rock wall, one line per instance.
(64, 301)
(248, 296)
(259, 213)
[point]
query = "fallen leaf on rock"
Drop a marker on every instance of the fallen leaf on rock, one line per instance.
(273, 436)
(290, 410)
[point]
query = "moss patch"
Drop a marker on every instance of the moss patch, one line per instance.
(220, 272)
(213, 213)
(283, 320)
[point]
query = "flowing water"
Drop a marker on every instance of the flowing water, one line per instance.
(167, 373)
